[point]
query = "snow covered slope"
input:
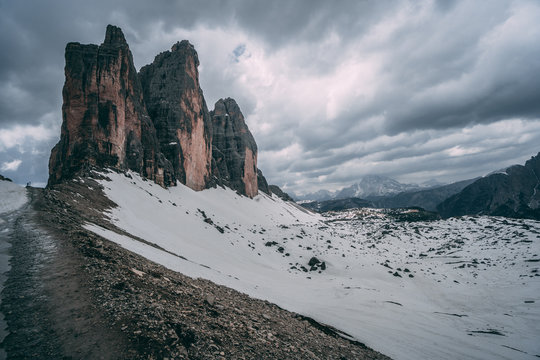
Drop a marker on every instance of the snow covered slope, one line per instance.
(12, 196)
(455, 289)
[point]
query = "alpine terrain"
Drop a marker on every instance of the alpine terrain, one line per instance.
(158, 237)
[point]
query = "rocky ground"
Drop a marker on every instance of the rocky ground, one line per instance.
(72, 294)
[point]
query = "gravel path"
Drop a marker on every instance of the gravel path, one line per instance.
(48, 308)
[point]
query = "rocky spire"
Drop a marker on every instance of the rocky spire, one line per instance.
(155, 122)
(234, 148)
(176, 104)
(105, 123)
(114, 36)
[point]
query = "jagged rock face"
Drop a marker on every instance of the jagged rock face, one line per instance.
(234, 149)
(262, 184)
(280, 193)
(105, 123)
(515, 193)
(179, 113)
(155, 123)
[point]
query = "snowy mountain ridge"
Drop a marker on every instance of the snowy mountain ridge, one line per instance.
(369, 185)
(375, 185)
(384, 283)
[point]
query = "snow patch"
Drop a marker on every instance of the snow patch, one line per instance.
(12, 196)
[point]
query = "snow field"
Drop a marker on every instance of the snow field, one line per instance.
(460, 288)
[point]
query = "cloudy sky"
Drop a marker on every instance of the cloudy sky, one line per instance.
(332, 90)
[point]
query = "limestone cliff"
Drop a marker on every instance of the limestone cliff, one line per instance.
(234, 149)
(105, 123)
(155, 122)
(178, 110)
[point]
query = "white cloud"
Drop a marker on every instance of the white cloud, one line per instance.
(11, 165)
(21, 135)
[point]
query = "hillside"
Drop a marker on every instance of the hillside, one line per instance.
(12, 196)
(375, 269)
(512, 193)
(73, 294)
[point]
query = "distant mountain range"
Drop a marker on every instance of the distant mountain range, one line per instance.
(320, 195)
(375, 185)
(427, 199)
(367, 186)
(510, 192)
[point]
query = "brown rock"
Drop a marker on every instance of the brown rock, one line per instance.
(179, 113)
(155, 123)
(262, 184)
(105, 123)
(234, 149)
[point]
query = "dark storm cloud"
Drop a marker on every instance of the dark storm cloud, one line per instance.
(283, 22)
(332, 91)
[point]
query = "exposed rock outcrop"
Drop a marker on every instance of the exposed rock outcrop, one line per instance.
(5, 178)
(274, 189)
(262, 184)
(176, 105)
(105, 123)
(234, 149)
(513, 193)
(155, 123)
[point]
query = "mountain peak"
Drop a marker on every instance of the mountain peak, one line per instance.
(114, 36)
(376, 177)
(374, 185)
(234, 144)
(181, 45)
(185, 48)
